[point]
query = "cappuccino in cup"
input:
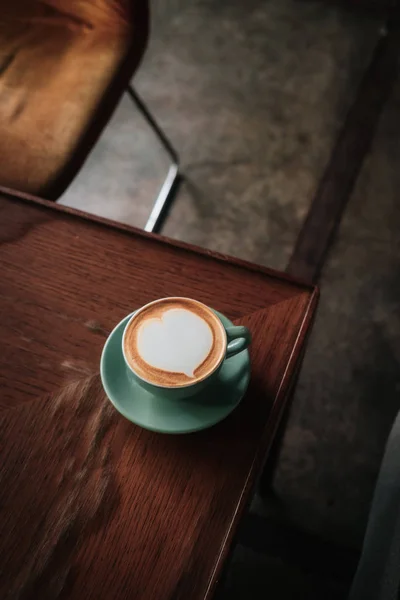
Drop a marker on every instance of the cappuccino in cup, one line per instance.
(174, 342)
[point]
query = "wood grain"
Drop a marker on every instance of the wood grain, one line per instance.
(92, 506)
(67, 281)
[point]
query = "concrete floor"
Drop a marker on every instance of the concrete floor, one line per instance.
(349, 391)
(252, 95)
(349, 388)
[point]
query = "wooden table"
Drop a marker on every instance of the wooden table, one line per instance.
(92, 506)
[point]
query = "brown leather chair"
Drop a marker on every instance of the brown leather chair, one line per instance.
(64, 65)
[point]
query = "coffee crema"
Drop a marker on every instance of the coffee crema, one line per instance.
(174, 342)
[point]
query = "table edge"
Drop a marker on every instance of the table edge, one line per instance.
(265, 444)
(14, 195)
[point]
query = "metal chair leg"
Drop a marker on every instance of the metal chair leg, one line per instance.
(169, 187)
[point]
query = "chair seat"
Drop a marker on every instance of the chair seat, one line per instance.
(63, 67)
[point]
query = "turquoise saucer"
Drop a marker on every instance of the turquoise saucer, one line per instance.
(202, 410)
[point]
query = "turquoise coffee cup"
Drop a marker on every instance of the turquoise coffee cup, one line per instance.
(235, 339)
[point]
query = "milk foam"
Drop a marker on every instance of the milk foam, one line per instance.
(177, 342)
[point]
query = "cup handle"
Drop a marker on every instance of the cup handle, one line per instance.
(239, 339)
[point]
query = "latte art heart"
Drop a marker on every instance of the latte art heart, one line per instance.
(178, 342)
(174, 342)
